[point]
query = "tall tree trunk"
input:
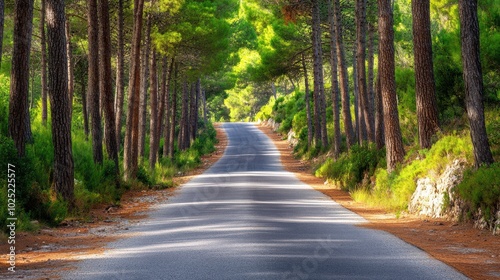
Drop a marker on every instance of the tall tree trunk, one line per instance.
(469, 33)
(2, 18)
(195, 93)
(120, 74)
(93, 99)
(173, 112)
(335, 84)
(106, 83)
(19, 85)
(143, 103)
(165, 105)
(43, 74)
(358, 113)
(308, 103)
(130, 155)
(343, 81)
(427, 114)
(361, 69)
(320, 103)
(184, 123)
(85, 110)
(379, 115)
(154, 135)
(371, 90)
(204, 100)
(393, 139)
(64, 178)
(71, 82)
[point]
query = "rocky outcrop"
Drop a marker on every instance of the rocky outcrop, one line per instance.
(435, 198)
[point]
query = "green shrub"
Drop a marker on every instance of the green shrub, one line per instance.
(393, 190)
(349, 170)
(481, 189)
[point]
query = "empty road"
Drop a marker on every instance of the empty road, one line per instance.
(247, 218)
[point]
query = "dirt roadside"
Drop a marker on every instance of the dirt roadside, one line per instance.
(473, 252)
(50, 251)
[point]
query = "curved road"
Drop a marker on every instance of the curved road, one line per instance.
(247, 218)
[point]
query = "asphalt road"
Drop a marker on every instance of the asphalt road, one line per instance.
(247, 218)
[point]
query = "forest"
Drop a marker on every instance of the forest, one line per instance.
(98, 97)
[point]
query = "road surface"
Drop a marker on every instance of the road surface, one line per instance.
(247, 218)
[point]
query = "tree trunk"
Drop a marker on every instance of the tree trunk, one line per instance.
(120, 74)
(143, 103)
(58, 91)
(361, 68)
(427, 113)
(319, 101)
(130, 155)
(358, 113)
(71, 82)
(205, 113)
(106, 83)
(84, 110)
(335, 83)
(20, 75)
(93, 97)
(393, 139)
(379, 115)
(371, 91)
(173, 113)
(43, 74)
(343, 81)
(308, 104)
(184, 123)
(473, 79)
(195, 96)
(154, 136)
(165, 104)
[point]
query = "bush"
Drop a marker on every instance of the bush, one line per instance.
(393, 190)
(481, 190)
(349, 171)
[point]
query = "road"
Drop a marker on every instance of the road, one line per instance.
(247, 218)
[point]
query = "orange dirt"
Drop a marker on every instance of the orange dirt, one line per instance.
(46, 253)
(473, 252)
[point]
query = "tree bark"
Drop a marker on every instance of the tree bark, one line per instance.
(120, 74)
(143, 103)
(473, 79)
(320, 109)
(379, 115)
(343, 81)
(20, 75)
(393, 139)
(173, 112)
(184, 123)
(93, 96)
(130, 155)
(308, 104)
(71, 82)
(106, 83)
(427, 113)
(335, 83)
(58, 92)
(165, 104)
(43, 74)
(364, 105)
(154, 136)
(371, 90)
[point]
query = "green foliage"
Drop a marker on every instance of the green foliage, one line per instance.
(393, 190)
(481, 190)
(349, 171)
